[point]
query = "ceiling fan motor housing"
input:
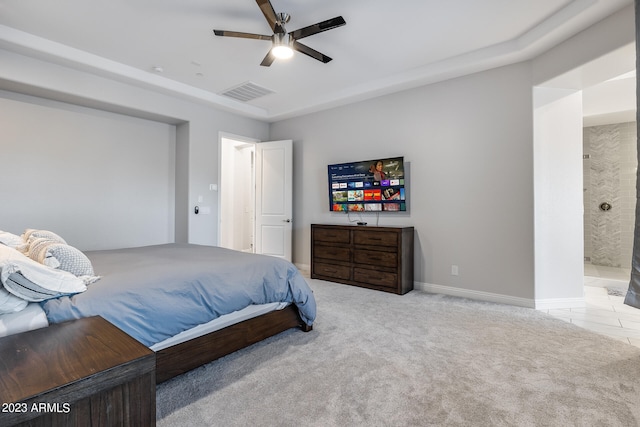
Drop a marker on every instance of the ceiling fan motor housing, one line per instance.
(282, 39)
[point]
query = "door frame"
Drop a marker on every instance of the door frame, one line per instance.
(243, 140)
(284, 223)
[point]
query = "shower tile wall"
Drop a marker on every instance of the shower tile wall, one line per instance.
(610, 164)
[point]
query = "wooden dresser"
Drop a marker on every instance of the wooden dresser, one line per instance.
(84, 372)
(378, 258)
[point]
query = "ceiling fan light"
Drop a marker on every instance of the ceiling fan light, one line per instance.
(282, 52)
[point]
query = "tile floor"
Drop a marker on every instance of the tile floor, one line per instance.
(603, 313)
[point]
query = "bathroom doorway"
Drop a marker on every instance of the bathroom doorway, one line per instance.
(237, 193)
(609, 173)
(610, 165)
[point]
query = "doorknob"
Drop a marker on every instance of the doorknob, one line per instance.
(286, 220)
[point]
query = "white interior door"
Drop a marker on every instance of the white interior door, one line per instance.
(274, 198)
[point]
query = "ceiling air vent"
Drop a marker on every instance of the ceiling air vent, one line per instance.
(246, 92)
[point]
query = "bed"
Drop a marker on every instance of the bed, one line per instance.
(191, 304)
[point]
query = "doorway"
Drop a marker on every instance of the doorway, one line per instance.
(610, 164)
(255, 196)
(565, 107)
(237, 193)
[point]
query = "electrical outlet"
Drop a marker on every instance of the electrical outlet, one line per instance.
(454, 270)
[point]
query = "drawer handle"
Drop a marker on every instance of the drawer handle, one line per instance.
(375, 238)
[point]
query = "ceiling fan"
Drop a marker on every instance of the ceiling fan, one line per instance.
(283, 43)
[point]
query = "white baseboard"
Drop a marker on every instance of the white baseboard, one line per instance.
(476, 295)
(538, 304)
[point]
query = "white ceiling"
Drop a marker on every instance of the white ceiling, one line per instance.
(384, 47)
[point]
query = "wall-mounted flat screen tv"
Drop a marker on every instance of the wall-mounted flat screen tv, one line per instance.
(368, 186)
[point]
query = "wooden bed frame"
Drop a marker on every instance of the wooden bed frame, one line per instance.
(180, 358)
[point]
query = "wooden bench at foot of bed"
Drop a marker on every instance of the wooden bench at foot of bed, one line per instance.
(180, 358)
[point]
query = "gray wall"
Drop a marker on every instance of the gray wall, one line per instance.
(98, 179)
(195, 126)
(468, 143)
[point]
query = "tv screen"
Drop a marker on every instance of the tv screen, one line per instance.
(368, 186)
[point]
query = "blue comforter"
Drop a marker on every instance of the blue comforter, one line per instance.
(155, 292)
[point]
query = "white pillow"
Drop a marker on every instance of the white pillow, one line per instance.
(10, 303)
(12, 240)
(56, 281)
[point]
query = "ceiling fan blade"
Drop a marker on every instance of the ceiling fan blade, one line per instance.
(310, 52)
(241, 35)
(270, 14)
(268, 60)
(329, 24)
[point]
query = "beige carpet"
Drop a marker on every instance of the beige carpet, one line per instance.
(377, 359)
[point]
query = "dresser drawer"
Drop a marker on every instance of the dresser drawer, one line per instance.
(330, 270)
(375, 238)
(379, 278)
(379, 258)
(384, 259)
(331, 252)
(331, 235)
